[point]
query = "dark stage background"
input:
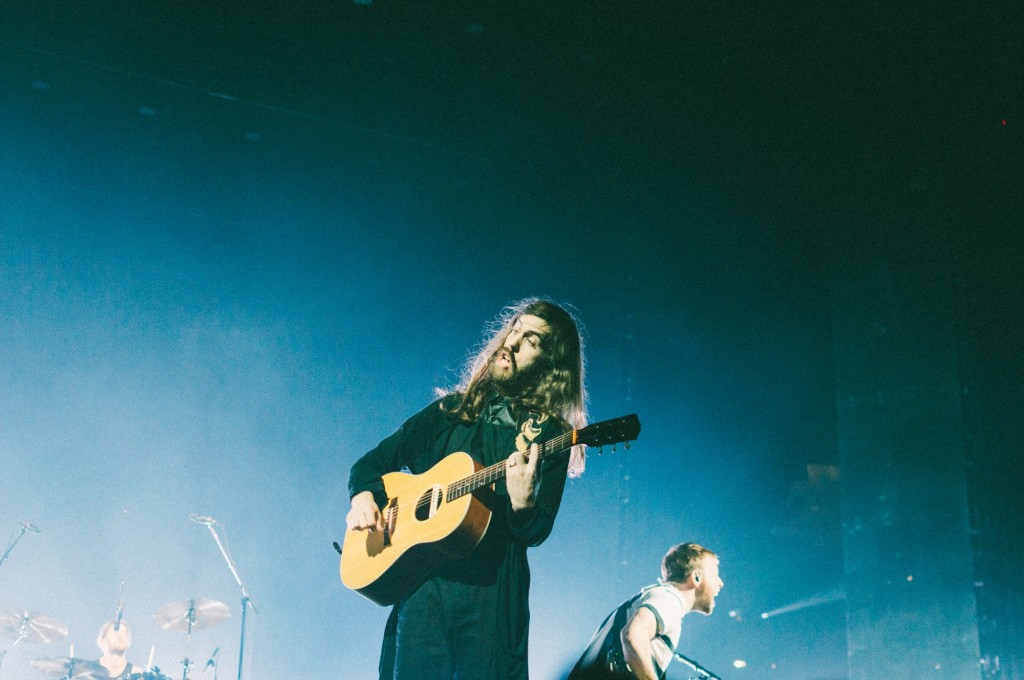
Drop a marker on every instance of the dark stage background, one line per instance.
(241, 242)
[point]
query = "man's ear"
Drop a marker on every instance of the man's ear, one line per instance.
(696, 577)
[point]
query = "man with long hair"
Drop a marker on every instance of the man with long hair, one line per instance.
(470, 619)
(638, 639)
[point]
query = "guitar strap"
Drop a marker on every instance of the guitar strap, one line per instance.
(603, 658)
(529, 430)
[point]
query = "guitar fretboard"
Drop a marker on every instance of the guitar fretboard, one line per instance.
(493, 473)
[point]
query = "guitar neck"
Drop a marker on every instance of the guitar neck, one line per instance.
(493, 473)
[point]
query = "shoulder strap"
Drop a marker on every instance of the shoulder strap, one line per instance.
(603, 656)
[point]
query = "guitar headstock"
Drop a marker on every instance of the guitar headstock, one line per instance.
(624, 429)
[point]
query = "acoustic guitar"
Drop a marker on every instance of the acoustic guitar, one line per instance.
(442, 514)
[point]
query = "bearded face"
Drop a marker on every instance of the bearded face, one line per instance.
(704, 601)
(116, 641)
(710, 585)
(518, 362)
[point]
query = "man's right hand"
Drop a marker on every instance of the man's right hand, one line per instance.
(364, 513)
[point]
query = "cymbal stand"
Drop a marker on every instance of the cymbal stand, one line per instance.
(22, 530)
(185, 663)
(246, 600)
(21, 636)
(71, 670)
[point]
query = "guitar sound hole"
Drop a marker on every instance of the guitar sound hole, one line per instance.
(428, 503)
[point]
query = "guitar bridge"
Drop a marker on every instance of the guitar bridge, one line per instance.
(390, 519)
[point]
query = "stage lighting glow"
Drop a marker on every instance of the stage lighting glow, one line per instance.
(836, 594)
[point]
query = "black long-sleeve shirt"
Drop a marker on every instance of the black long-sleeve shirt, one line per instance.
(498, 565)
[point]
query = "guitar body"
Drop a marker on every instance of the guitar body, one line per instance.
(442, 514)
(422, 530)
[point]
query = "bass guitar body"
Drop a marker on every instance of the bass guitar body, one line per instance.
(424, 526)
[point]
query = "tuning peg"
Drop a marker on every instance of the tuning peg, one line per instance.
(627, 443)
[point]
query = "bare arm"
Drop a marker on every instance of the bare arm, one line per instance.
(636, 639)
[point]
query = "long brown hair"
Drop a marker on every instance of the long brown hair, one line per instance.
(558, 392)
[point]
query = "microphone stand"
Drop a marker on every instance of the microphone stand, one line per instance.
(22, 530)
(246, 600)
(700, 670)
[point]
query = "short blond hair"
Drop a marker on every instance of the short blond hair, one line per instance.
(682, 560)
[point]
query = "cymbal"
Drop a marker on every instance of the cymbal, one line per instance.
(202, 613)
(31, 627)
(63, 666)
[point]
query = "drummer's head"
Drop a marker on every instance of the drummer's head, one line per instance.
(114, 640)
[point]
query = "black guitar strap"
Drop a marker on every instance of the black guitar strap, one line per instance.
(603, 659)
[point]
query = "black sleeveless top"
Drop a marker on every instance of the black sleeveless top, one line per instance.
(125, 674)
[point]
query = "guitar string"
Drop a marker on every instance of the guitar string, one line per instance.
(496, 471)
(490, 474)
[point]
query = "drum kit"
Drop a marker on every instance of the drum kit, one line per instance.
(33, 628)
(184, 616)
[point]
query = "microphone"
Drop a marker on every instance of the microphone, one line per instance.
(202, 519)
(700, 670)
(30, 528)
(213, 658)
(120, 610)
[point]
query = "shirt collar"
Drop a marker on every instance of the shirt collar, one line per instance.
(498, 410)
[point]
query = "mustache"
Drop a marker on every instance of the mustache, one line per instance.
(507, 352)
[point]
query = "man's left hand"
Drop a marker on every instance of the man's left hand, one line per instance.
(522, 478)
